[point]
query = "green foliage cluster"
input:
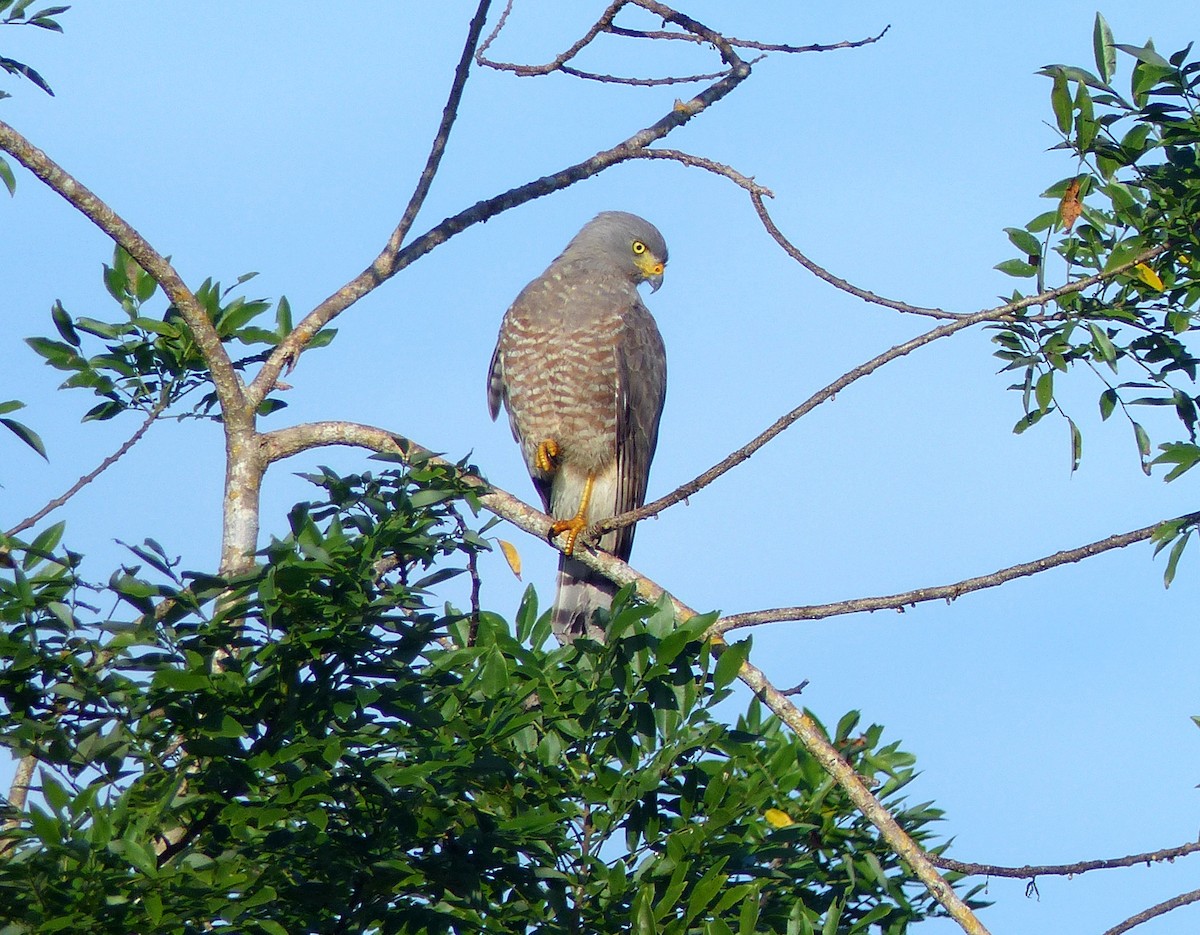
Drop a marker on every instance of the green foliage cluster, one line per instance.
(17, 13)
(1136, 195)
(317, 747)
(150, 362)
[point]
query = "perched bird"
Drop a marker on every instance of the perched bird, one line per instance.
(581, 369)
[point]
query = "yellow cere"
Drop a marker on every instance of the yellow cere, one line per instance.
(647, 262)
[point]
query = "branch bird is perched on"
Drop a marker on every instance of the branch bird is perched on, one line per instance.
(581, 369)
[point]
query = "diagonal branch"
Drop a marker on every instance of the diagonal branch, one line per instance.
(945, 592)
(283, 443)
(1147, 914)
(226, 381)
(392, 259)
(1002, 313)
(91, 475)
(702, 162)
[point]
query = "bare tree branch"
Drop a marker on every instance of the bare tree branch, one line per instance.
(946, 592)
(1147, 914)
(1063, 870)
(91, 475)
(750, 43)
(392, 259)
(701, 162)
(283, 443)
(601, 25)
(837, 282)
(225, 379)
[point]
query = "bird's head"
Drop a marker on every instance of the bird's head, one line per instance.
(629, 242)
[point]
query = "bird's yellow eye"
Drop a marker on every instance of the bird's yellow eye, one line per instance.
(638, 248)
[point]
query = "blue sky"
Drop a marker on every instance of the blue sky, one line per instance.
(1051, 718)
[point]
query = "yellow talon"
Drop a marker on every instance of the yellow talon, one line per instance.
(577, 523)
(546, 457)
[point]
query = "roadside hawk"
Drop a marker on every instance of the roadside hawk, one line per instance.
(581, 369)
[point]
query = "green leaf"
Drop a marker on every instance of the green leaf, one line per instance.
(7, 177)
(1085, 121)
(1024, 241)
(1145, 54)
(57, 354)
(730, 663)
(1018, 268)
(26, 434)
(283, 317)
(1060, 100)
(62, 322)
(1173, 558)
(45, 543)
(1143, 446)
(1108, 402)
(322, 337)
(1043, 390)
(1076, 445)
(1105, 51)
(105, 411)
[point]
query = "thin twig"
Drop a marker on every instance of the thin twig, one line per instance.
(449, 115)
(1147, 914)
(710, 165)
(946, 592)
(645, 82)
(836, 281)
(1064, 870)
(750, 43)
(601, 25)
(91, 475)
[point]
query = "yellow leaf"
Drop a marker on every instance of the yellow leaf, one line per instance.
(1070, 207)
(777, 819)
(1148, 276)
(512, 556)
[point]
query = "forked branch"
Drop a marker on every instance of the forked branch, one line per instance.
(394, 257)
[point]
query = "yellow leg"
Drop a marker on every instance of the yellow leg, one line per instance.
(546, 457)
(578, 523)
